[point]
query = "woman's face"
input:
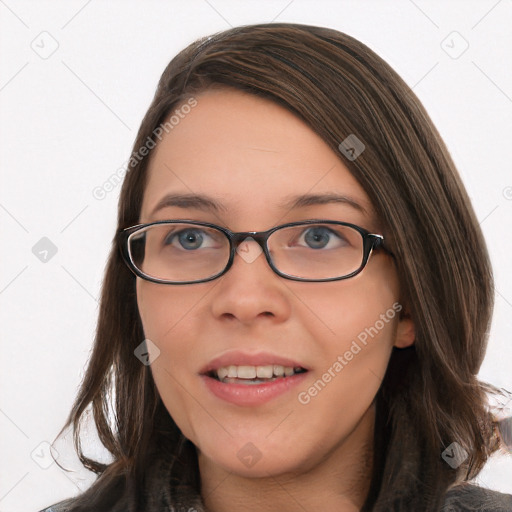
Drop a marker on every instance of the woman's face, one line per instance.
(250, 156)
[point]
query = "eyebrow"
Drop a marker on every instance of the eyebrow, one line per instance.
(208, 204)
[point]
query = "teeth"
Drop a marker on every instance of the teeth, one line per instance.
(222, 373)
(278, 370)
(264, 372)
(252, 372)
(246, 372)
(288, 371)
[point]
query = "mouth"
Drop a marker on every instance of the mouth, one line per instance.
(253, 375)
(252, 379)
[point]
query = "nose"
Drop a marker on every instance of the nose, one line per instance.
(250, 289)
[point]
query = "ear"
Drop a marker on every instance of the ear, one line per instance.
(405, 331)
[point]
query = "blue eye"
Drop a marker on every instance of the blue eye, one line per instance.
(189, 239)
(321, 237)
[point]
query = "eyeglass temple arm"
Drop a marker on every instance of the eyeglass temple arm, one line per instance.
(379, 243)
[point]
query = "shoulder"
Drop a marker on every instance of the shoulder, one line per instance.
(462, 498)
(468, 498)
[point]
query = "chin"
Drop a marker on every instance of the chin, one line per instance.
(256, 459)
(249, 462)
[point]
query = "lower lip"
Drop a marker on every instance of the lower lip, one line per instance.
(252, 394)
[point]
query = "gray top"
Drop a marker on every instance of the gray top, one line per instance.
(462, 498)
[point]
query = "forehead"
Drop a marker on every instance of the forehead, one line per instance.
(250, 154)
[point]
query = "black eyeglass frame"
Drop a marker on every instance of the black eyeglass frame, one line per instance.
(371, 242)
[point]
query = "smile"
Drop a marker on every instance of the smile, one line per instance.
(250, 375)
(250, 380)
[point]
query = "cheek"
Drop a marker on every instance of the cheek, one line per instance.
(350, 370)
(361, 308)
(169, 318)
(354, 325)
(154, 308)
(164, 310)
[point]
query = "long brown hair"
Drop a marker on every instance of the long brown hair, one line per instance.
(430, 396)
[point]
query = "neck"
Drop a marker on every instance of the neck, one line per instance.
(340, 482)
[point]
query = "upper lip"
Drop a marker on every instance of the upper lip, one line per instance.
(240, 358)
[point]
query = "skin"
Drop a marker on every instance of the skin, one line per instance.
(249, 153)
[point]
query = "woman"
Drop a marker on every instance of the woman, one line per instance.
(297, 299)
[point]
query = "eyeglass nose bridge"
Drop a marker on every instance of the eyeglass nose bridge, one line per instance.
(260, 237)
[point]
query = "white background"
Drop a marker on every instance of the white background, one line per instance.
(68, 123)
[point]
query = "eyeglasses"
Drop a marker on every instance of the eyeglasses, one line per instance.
(186, 251)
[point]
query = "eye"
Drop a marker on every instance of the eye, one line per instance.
(322, 237)
(188, 239)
